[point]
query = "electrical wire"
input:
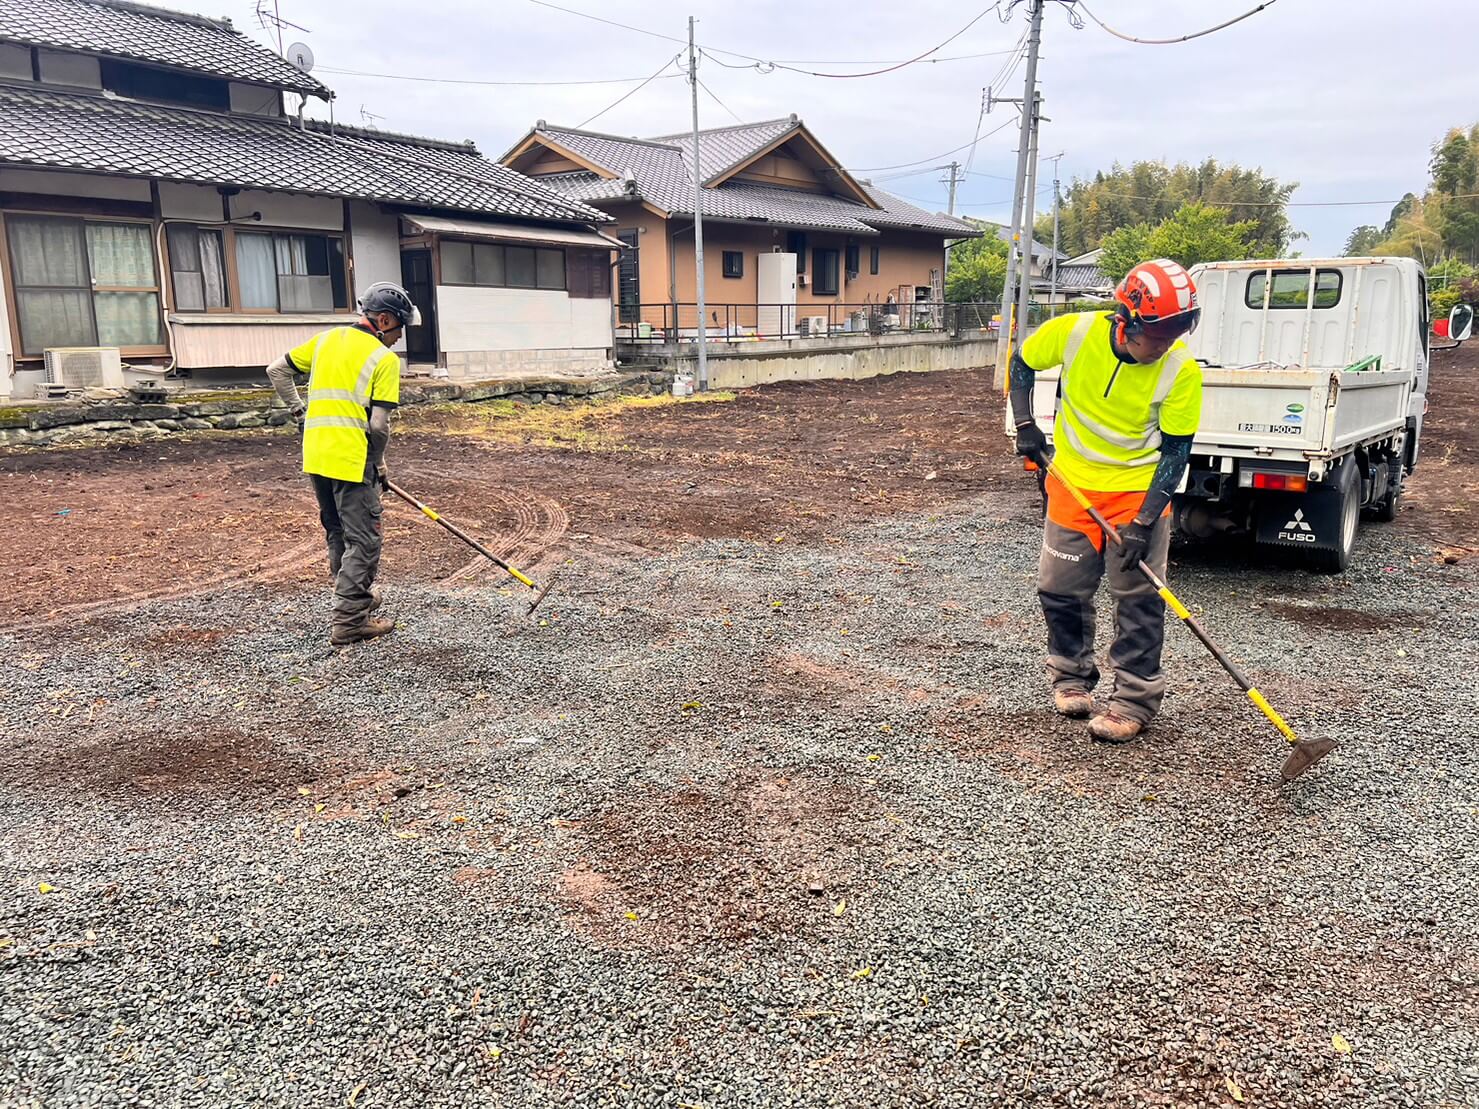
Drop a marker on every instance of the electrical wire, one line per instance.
(765, 65)
(1181, 38)
(469, 81)
(715, 98)
(1275, 203)
(629, 93)
(937, 157)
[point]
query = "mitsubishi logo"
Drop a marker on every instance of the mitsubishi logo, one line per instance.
(1298, 530)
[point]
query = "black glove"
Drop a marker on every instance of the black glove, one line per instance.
(1031, 442)
(1134, 544)
(382, 478)
(299, 414)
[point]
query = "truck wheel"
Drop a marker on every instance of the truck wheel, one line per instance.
(1348, 489)
(1387, 508)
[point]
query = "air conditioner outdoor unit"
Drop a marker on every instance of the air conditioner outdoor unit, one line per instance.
(814, 325)
(85, 367)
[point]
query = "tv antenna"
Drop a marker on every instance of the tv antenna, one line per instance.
(368, 116)
(269, 16)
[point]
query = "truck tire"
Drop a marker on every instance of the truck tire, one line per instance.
(1348, 489)
(1387, 508)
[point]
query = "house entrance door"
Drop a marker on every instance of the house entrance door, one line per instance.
(421, 342)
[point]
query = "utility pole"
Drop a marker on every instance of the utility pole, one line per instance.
(1053, 281)
(698, 222)
(1029, 195)
(952, 180)
(1028, 107)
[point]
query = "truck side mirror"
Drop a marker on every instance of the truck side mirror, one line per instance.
(1461, 322)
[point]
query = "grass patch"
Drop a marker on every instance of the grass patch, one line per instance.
(579, 425)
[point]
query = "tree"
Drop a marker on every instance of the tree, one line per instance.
(1362, 240)
(1194, 233)
(1151, 192)
(978, 267)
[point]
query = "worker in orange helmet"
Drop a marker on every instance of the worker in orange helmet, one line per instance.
(1130, 400)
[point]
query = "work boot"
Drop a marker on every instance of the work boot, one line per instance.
(1111, 727)
(1076, 704)
(373, 627)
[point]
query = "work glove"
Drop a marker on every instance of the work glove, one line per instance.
(1134, 544)
(381, 478)
(299, 414)
(1031, 442)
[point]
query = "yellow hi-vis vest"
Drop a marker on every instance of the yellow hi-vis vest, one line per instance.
(1111, 414)
(348, 371)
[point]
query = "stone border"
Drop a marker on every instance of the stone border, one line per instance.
(44, 425)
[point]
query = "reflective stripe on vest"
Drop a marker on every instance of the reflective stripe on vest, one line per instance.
(336, 424)
(1142, 449)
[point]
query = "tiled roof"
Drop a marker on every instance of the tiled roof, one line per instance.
(722, 148)
(1085, 277)
(121, 29)
(106, 135)
(663, 176)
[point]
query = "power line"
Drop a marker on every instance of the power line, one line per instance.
(1266, 203)
(936, 157)
(715, 98)
(1182, 38)
(786, 64)
(629, 93)
(469, 81)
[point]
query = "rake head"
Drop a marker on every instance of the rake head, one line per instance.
(540, 596)
(1306, 753)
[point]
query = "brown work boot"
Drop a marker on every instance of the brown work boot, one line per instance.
(376, 600)
(1111, 727)
(1075, 704)
(373, 627)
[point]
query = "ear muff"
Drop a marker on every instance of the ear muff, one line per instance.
(1124, 325)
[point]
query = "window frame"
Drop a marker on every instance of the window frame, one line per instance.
(229, 235)
(227, 259)
(20, 352)
(854, 263)
(503, 248)
(796, 243)
(875, 253)
(1272, 277)
(738, 258)
(826, 262)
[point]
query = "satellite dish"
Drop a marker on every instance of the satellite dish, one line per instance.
(300, 56)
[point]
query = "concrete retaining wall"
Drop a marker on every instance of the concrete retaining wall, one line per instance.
(849, 357)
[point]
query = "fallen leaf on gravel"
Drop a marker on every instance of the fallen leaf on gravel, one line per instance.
(780, 538)
(408, 835)
(495, 1052)
(692, 706)
(839, 908)
(5, 941)
(866, 972)
(354, 1093)
(45, 887)
(886, 729)
(1340, 1043)
(874, 758)
(1150, 797)
(846, 632)
(304, 791)
(459, 819)
(1234, 1090)
(319, 807)
(298, 833)
(631, 916)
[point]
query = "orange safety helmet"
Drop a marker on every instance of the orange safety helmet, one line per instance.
(1157, 297)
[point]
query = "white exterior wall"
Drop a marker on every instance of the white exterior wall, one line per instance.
(73, 184)
(504, 332)
(375, 243)
(76, 70)
(254, 100)
(200, 203)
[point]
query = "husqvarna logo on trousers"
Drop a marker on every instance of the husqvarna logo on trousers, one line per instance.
(1298, 529)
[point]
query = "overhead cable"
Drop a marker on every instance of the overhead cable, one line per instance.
(629, 93)
(470, 81)
(1180, 38)
(937, 157)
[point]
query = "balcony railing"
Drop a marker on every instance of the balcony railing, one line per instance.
(666, 322)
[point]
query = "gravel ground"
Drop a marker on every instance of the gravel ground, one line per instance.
(749, 824)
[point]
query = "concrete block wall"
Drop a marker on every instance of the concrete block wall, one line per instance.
(471, 365)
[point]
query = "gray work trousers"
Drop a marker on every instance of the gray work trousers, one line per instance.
(1067, 579)
(350, 513)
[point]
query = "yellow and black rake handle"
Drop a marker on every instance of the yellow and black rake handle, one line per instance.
(1306, 752)
(434, 516)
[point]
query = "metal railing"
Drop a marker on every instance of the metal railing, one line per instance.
(736, 323)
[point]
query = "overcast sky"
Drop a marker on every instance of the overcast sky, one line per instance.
(1345, 97)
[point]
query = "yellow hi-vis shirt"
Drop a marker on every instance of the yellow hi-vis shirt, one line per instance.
(1111, 414)
(348, 371)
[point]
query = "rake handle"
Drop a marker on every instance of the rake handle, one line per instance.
(1174, 603)
(432, 515)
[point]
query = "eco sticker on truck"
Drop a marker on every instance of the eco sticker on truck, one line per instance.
(1295, 408)
(1298, 529)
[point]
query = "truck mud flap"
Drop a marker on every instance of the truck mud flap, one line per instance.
(1307, 521)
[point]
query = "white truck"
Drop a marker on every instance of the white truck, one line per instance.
(1315, 377)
